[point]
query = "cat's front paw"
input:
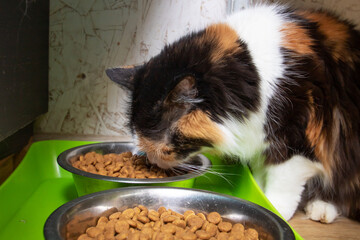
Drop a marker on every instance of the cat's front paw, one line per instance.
(285, 205)
(319, 210)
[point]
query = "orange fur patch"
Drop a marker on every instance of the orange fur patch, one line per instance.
(317, 137)
(335, 32)
(296, 39)
(225, 38)
(197, 124)
(158, 149)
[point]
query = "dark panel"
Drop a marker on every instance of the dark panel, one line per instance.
(24, 29)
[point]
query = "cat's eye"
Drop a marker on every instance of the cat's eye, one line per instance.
(184, 91)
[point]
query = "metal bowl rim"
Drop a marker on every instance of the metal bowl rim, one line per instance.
(52, 223)
(62, 161)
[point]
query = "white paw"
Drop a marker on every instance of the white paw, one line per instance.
(286, 205)
(318, 210)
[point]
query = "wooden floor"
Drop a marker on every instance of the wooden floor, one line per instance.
(342, 228)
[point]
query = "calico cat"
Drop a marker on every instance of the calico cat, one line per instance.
(268, 80)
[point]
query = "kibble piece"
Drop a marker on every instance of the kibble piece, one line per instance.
(188, 213)
(202, 216)
(143, 208)
(153, 215)
(99, 166)
(214, 217)
(137, 210)
(206, 222)
(162, 215)
(115, 215)
(101, 225)
(194, 221)
(189, 236)
(143, 213)
(180, 216)
(211, 229)
(251, 234)
(237, 228)
(225, 226)
(134, 236)
(109, 236)
(168, 228)
(128, 213)
(110, 226)
(143, 219)
(144, 236)
(139, 225)
(100, 237)
(169, 218)
(122, 236)
(84, 237)
(121, 226)
(164, 236)
(179, 223)
(223, 236)
(93, 231)
(132, 223)
(179, 232)
(157, 226)
(148, 224)
(161, 210)
(147, 231)
(203, 234)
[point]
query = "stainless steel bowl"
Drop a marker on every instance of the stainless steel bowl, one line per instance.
(86, 182)
(71, 219)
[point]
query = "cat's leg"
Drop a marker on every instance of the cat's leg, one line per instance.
(285, 182)
(319, 210)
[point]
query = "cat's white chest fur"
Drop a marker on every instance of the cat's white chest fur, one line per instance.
(246, 137)
(243, 138)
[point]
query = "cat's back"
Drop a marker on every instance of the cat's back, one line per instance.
(266, 28)
(300, 45)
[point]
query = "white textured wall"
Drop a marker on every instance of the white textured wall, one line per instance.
(88, 36)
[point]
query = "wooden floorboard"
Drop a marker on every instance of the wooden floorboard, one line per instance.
(341, 228)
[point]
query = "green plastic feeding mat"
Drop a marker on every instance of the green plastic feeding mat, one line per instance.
(39, 186)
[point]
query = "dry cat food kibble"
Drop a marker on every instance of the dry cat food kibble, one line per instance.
(124, 165)
(164, 224)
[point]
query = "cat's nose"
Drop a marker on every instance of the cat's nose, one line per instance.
(167, 152)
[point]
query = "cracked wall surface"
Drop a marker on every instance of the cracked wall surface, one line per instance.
(86, 37)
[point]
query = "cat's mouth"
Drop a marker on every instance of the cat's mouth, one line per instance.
(161, 161)
(158, 153)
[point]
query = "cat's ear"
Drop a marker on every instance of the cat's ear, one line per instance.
(123, 75)
(184, 92)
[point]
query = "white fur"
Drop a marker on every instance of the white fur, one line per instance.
(244, 138)
(259, 27)
(319, 210)
(285, 182)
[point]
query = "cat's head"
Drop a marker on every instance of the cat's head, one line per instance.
(180, 97)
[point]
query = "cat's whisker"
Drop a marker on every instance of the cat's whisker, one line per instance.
(210, 170)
